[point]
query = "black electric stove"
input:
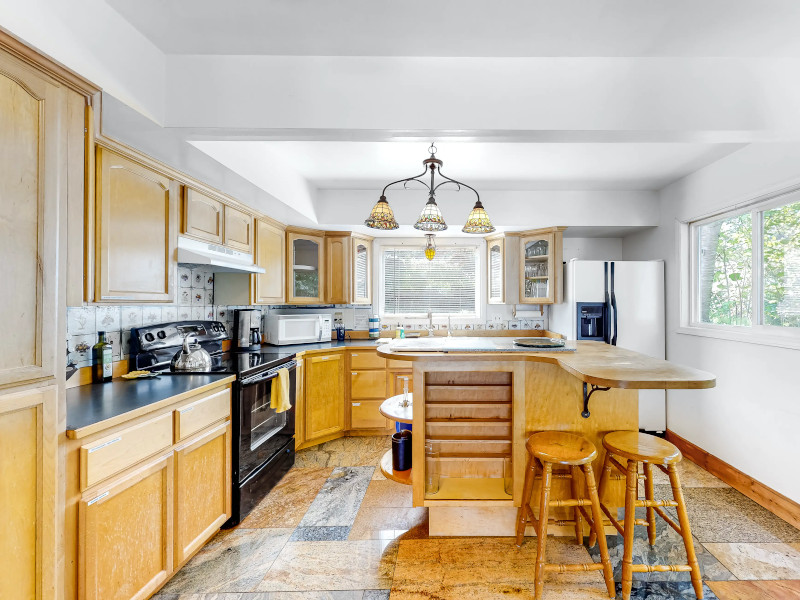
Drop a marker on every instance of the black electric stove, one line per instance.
(262, 439)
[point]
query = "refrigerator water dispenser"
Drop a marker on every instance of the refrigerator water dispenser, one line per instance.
(591, 321)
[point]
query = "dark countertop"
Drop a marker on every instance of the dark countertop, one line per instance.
(90, 405)
(295, 348)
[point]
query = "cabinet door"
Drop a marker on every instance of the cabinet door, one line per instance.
(324, 395)
(536, 277)
(28, 439)
(337, 270)
(202, 489)
(365, 414)
(304, 272)
(270, 254)
(362, 271)
(202, 216)
(368, 384)
(32, 151)
(496, 279)
(125, 534)
(136, 232)
(238, 230)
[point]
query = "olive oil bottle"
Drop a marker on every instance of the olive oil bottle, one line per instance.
(102, 361)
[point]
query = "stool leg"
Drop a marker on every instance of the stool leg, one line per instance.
(686, 530)
(527, 490)
(576, 493)
(631, 493)
(605, 473)
(597, 517)
(649, 495)
(547, 470)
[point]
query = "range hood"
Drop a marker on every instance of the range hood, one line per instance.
(219, 258)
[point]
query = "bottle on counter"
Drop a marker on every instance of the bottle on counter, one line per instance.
(102, 361)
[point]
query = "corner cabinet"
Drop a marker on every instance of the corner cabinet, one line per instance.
(362, 270)
(348, 264)
(304, 267)
(540, 266)
(270, 255)
(136, 231)
(495, 270)
(324, 395)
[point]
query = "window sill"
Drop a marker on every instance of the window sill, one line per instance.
(747, 337)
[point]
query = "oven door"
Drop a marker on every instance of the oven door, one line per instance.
(262, 431)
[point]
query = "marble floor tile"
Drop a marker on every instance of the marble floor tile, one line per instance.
(724, 515)
(390, 523)
(351, 565)
(235, 560)
(288, 501)
(337, 502)
(665, 590)
(376, 594)
(691, 475)
(668, 550)
(345, 452)
(319, 534)
(759, 561)
(316, 595)
(756, 590)
(387, 494)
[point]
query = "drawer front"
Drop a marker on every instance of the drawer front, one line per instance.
(110, 455)
(201, 413)
(368, 384)
(400, 365)
(366, 359)
(365, 414)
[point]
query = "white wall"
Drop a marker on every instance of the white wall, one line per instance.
(752, 418)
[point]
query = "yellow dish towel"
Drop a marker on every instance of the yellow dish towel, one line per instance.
(279, 398)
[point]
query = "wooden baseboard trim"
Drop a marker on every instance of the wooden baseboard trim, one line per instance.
(773, 501)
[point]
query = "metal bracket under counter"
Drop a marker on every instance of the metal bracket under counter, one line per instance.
(595, 388)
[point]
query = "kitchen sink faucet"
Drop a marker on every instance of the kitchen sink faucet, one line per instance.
(430, 324)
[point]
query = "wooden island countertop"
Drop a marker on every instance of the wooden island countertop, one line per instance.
(476, 408)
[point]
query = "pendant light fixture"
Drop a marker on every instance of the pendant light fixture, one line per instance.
(430, 246)
(430, 219)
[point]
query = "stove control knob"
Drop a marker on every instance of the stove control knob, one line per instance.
(161, 335)
(149, 337)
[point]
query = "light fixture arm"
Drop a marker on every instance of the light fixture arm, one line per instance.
(458, 183)
(406, 180)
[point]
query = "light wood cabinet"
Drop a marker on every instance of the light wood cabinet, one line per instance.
(369, 388)
(540, 266)
(365, 414)
(324, 395)
(495, 270)
(368, 384)
(202, 216)
(304, 267)
(136, 231)
(348, 265)
(396, 382)
(202, 489)
(125, 534)
(238, 232)
(269, 287)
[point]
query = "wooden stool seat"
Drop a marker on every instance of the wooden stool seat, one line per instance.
(576, 452)
(561, 448)
(642, 447)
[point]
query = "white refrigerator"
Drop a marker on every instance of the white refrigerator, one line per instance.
(630, 297)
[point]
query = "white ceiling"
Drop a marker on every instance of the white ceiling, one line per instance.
(607, 28)
(493, 166)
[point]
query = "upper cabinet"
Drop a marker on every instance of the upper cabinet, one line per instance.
(348, 269)
(270, 255)
(202, 216)
(136, 231)
(495, 269)
(362, 270)
(238, 233)
(540, 266)
(304, 260)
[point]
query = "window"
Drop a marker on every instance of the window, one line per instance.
(414, 285)
(746, 268)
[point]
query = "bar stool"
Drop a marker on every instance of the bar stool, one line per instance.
(550, 448)
(649, 450)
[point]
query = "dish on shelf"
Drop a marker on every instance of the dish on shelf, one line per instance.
(541, 342)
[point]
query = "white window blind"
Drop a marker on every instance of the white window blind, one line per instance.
(361, 271)
(495, 273)
(412, 284)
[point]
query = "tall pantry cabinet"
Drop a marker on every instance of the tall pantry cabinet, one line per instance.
(42, 117)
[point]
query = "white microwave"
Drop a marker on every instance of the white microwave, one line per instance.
(297, 329)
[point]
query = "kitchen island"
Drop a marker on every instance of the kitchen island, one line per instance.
(474, 406)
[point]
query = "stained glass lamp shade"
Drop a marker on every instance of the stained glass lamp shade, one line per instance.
(478, 221)
(430, 219)
(381, 216)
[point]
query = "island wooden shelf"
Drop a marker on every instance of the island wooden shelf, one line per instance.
(403, 477)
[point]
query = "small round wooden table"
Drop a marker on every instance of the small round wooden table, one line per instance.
(392, 409)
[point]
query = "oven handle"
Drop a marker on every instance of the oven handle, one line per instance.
(267, 376)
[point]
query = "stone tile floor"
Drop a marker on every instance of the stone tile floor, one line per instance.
(336, 529)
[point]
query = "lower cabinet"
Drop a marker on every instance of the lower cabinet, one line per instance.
(202, 489)
(365, 414)
(324, 395)
(125, 534)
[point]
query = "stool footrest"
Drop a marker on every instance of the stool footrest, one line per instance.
(654, 503)
(555, 476)
(660, 568)
(572, 568)
(569, 503)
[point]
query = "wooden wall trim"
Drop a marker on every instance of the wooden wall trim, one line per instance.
(773, 501)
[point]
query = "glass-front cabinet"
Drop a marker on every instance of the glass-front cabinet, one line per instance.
(540, 266)
(495, 263)
(304, 271)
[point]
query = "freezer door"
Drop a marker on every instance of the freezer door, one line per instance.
(639, 291)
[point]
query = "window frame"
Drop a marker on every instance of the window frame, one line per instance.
(440, 245)
(757, 331)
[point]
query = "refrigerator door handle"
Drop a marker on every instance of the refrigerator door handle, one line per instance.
(606, 307)
(613, 307)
